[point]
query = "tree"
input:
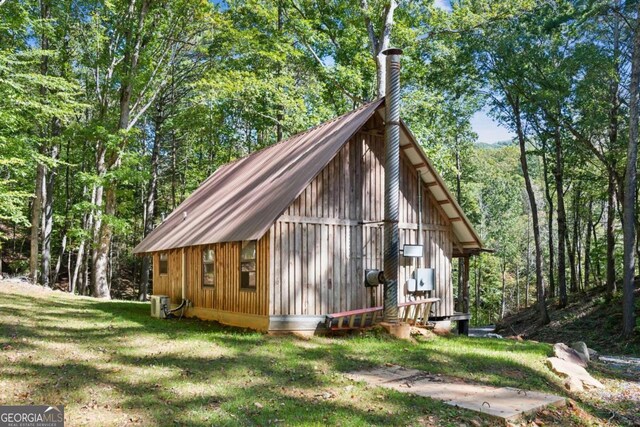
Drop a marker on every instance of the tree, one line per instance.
(630, 188)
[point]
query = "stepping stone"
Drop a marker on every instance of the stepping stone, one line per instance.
(505, 403)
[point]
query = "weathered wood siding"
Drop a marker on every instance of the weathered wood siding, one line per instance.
(226, 295)
(333, 231)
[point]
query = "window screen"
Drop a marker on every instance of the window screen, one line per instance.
(208, 267)
(248, 265)
(163, 267)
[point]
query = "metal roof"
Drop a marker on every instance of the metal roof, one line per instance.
(242, 199)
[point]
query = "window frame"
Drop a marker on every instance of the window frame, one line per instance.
(254, 260)
(162, 262)
(213, 264)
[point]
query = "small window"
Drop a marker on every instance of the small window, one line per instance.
(248, 265)
(163, 268)
(208, 267)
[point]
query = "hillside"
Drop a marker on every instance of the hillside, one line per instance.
(589, 317)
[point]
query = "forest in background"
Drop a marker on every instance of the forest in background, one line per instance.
(113, 111)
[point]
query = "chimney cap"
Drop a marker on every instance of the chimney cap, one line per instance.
(392, 51)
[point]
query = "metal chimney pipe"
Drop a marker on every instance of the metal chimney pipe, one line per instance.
(391, 185)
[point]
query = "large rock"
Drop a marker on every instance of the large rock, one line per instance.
(583, 351)
(564, 352)
(577, 378)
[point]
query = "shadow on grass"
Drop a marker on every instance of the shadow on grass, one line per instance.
(286, 377)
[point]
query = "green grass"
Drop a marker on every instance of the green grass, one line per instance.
(110, 363)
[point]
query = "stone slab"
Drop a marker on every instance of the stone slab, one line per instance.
(566, 353)
(576, 375)
(501, 402)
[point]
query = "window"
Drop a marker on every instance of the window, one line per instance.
(248, 265)
(208, 267)
(163, 267)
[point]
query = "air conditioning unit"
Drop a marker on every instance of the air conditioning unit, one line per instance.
(158, 305)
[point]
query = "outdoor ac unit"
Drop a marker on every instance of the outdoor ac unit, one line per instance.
(158, 304)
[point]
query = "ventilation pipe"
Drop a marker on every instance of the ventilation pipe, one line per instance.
(391, 185)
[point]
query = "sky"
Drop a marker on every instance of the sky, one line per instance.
(488, 130)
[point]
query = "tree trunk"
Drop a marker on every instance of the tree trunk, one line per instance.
(465, 287)
(587, 246)
(504, 289)
(378, 43)
(528, 270)
(101, 285)
(630, 188)
(614, 88)
(599, 281)
(558, 173)
(150, 207)
(478, 284)
(547, 193)
(542, 306)
(47, 223)
(517, 287)
(572, 246)
(39, 196)
(611, 238)
(460, 259)
(36, 208)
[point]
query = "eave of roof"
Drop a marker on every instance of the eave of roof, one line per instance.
(466, 239)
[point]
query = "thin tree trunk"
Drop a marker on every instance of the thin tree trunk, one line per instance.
(600, 282)
(504, 289)
(542, 306)
(528, 271)
(150, 207)
(611, 238)
(630, 188)
(47, 229)
(39, 196)
(465, 287)
(547, 193)
(614, 88)
(562, 221)
(478, 284)
(460, 259)
(517, 287)
(572, 246)
(36, 208)
(587, 245)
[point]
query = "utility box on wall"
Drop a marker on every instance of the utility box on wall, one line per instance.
(423, 280)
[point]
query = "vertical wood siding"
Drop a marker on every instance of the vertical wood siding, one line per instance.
(333, 231)
(226, 295)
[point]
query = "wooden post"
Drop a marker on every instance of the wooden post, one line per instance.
(465, 285)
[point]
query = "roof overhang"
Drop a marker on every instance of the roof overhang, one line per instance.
(466, 240)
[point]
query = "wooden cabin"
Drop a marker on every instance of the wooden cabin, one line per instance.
(281, 238)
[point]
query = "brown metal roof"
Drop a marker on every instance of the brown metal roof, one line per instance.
(242, 199)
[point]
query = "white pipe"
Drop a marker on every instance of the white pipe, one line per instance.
(420, 216)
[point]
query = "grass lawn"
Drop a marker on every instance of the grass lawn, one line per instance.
(110, 363)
